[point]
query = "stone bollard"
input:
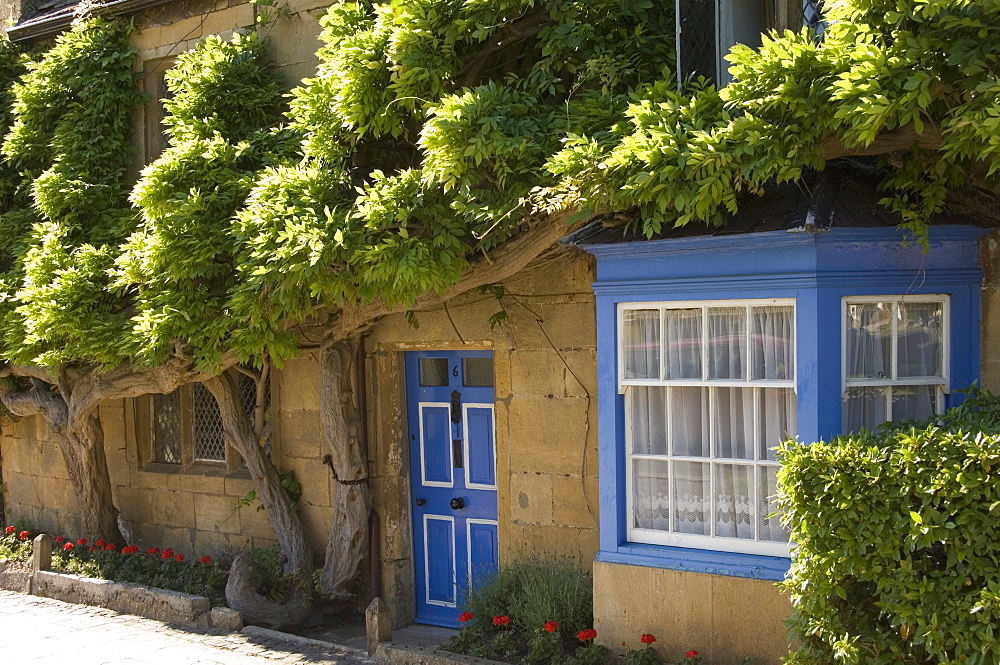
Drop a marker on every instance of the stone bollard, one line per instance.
(41, 553)
(378, 622)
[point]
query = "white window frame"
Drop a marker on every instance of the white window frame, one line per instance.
(942, 382)
(697, 541)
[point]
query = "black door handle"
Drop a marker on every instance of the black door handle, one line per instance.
(457, 503)
(421, 502)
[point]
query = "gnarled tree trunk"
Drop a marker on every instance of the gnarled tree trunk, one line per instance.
(341, 425)
(241, 591)
(81, 441)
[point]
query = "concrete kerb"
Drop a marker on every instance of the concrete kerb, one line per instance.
(123, 597)
(266, 634)
(14, 578)
(394, 654)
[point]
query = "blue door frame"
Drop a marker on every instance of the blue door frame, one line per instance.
(453, 485)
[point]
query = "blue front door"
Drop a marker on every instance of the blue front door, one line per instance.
(453, 477)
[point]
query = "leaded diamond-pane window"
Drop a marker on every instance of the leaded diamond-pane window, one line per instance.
(812, 16)
(209, 443)
(186, 426)
(167, 428)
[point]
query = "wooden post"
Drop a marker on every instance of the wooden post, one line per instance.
(41, 553)
(378, 622)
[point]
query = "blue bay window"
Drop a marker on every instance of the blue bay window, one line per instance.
(713, 349)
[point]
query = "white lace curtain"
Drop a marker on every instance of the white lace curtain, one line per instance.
(705, 421)
(917, 346)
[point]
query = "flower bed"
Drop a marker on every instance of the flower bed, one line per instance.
(163, 569)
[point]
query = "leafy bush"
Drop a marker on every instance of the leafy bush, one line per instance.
(898, 555)
(531, 611)
(14, 544)
(163, 569)
(153, 568)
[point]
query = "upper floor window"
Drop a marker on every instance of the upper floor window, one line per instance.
(895, 365)
(709, 391)
(154, 84)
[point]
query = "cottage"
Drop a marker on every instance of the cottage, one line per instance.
(614, 404)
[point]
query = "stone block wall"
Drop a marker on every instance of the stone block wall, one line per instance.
(38, 489)
(545, 416)
(189, 509)
(725, 619)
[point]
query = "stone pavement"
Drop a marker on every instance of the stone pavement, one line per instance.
(38, 631)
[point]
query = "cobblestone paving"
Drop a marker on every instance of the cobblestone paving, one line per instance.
(37, 630)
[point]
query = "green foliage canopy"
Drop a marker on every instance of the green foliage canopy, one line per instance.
(922, 68)
(428, 134)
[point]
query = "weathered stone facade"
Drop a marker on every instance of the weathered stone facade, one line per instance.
(546, 440)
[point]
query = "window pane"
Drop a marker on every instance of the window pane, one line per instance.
(691, 486)
(732, 417)
(919, 349)
(477, 372)
(209, 444)
(734, 513)
(913, 402)
(650, 497)
(167, 428)
(641, 343)
(649, 419)
(727, 328)
(869, 340)
(864, 408)
(773, 343)
(433, 371)
(688, 421)
(777, 419)
(683, 343)
(770, 527)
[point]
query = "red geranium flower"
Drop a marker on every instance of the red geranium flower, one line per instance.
(501, 621)
(131, 549)
(586, 635)
(647, 638)
(153, 550)
(208, 559)
(68, 546)
(166, 555)
(465, 616)
(59, 539)
(110, 547)
(691, 654)
(180, 557)
(82, 541)
(9, 530)
(551, 626)
(24, 535)
(101, 542)
(91, 548)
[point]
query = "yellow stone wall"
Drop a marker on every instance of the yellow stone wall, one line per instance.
(189, 509)
(546, 416)
(725, 619)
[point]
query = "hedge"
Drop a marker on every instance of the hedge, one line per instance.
(898, 541)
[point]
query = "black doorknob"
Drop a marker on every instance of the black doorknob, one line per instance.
(457, 503)
(421, 502)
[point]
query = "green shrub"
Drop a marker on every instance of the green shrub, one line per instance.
(531, 594)
(14, 547)
(898, 541)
